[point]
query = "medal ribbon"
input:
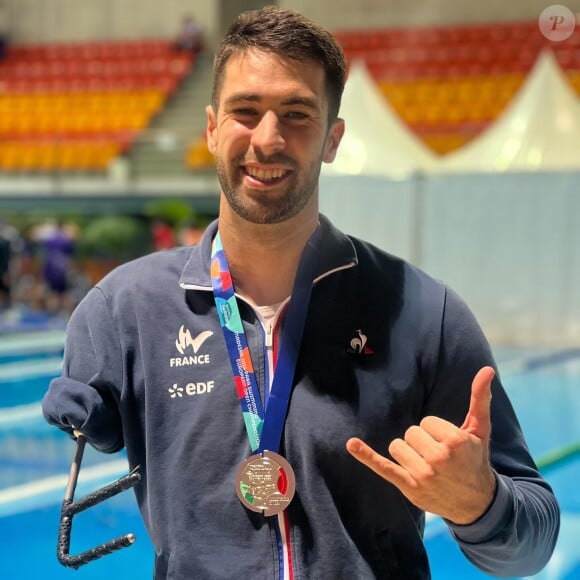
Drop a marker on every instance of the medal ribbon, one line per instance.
(264, 429)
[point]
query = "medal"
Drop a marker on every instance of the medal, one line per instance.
(265, 483)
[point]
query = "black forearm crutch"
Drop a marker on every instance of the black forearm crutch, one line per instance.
(70, 508)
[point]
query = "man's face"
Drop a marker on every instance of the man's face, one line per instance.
(270, 135)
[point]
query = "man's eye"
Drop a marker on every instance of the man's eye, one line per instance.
(296, 115)
(244, 112)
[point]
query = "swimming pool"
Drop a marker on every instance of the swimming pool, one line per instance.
(35, 459)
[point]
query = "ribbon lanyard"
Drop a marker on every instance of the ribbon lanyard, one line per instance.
(264, 428)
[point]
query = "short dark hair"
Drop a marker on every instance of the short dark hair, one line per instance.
(289, 35)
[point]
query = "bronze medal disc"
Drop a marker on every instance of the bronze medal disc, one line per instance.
(265, 483)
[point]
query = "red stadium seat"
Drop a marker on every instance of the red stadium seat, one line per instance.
(74, 106)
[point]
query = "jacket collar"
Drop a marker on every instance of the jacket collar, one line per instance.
(337, 253)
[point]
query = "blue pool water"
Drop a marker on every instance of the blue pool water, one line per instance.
(34, 462)
(29, 543)
(35, 459)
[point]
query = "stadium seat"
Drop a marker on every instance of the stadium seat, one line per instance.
(74, 106)
(449, 83)
(198, 157)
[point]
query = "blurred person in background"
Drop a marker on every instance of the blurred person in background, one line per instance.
(3, 29)
(190, 37)
(56, 246)
(162, 235)
(360, 393)
(5, 259)
(10, 247)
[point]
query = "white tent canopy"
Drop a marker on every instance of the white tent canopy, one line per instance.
(376, 141)
(539, 130)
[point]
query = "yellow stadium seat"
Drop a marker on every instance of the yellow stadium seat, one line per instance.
(198, 156)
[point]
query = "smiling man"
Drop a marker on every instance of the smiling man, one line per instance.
(327, 394)
(270, 130)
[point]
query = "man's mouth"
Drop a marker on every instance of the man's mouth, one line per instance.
(265, 175)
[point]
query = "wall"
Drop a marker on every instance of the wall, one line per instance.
(508, 243)
(393, 13)
(67, 20)
(38, 21)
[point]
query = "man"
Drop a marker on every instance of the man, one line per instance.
(9, 248)
(163, 358)
(57, 248)
(190, 37)
(5, 255)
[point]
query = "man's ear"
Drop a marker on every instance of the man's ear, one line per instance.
(333, 139)
(211, 130)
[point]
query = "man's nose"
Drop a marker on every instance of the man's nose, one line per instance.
(267, 136)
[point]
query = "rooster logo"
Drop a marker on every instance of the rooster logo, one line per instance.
(358, 345)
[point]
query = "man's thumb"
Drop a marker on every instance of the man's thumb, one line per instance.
(478, 418)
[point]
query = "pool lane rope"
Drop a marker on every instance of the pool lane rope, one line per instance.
(559, 457)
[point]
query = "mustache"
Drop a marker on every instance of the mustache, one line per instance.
(275, 159)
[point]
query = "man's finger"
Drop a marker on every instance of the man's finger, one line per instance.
(382, 466)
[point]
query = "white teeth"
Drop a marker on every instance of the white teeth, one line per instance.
(264, 174)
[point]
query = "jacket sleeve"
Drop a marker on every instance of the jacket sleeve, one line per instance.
(517, 534)
(86, 396)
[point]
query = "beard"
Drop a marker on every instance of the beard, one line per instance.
(263, 207)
